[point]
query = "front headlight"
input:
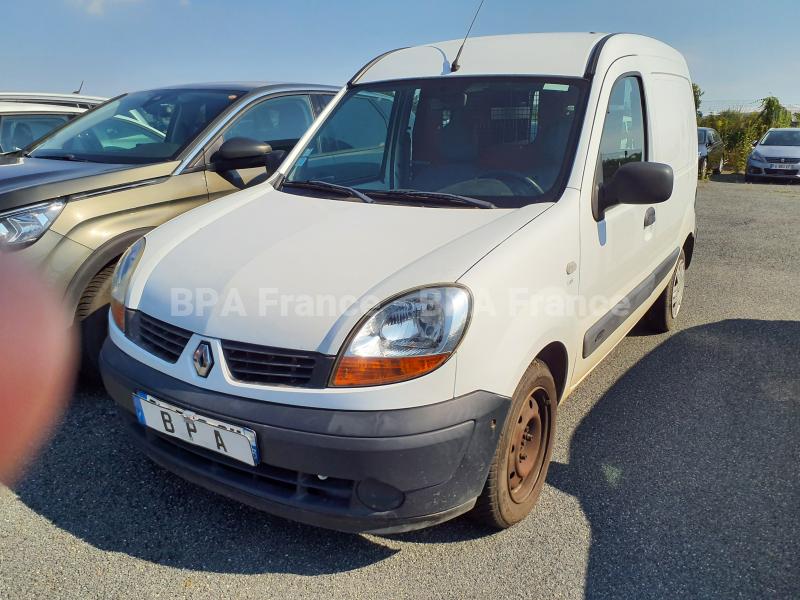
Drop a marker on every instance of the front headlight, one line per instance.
(22, 227)
(405, 338)
(757, 157)
(121, 279)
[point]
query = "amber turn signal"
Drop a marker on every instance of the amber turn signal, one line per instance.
(353, 371)
(118, 314)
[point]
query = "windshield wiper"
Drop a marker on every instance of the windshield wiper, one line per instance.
(331, 187)
(452, 198)
(71, 157)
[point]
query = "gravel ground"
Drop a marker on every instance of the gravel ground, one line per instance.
(675, 474)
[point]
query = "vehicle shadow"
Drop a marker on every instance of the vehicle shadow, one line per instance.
(687, 468)
(93, 483)
(739, 178)
(727, 178)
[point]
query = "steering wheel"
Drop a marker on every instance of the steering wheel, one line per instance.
(87, 139)
(519, 184)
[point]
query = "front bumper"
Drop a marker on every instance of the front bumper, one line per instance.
(382, 471)
(767, 172)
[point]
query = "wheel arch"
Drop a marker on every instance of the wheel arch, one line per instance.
(688, 249)
(97, 261)
(556, 357)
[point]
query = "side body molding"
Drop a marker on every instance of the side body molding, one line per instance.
(609, 322)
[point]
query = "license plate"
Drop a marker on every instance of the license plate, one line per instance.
(784, 166)
(238, 443)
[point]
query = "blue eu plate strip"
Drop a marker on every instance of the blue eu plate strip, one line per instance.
(137, 404)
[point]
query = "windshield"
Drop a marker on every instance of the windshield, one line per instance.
(138, 128)
(508, 141)
(782, 138)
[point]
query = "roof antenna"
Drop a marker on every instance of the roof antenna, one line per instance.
(455, 66)
(80, 87)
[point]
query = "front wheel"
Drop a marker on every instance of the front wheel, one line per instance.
(519, 466)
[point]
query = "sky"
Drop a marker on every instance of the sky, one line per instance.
(737, 51)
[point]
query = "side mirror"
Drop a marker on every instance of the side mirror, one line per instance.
(754, 144)
(634, 183)
(240, 153)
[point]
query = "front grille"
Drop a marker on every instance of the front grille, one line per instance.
(782, 159)
(266, 481)
(162, 339)
(250, 363)
(787, 172)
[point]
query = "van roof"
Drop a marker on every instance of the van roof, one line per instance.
(555, 54)
(28, 107)
(49, 98)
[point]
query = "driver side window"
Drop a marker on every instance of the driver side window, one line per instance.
(623, 138)
(280, 122)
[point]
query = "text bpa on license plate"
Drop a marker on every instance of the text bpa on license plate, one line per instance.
(233, 441)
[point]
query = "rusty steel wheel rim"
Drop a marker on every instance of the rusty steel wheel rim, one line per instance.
(529, 440)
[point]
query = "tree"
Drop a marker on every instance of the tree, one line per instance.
(774, 114)
(698, 94)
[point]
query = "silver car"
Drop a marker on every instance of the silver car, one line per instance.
(775, 156)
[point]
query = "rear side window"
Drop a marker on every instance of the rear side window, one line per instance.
(623, 138)
(19, 131)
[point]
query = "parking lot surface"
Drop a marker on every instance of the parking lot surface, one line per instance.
(676, 474)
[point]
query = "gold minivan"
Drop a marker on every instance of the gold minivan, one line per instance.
(73, 202)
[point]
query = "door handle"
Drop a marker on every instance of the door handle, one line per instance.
(649, 217)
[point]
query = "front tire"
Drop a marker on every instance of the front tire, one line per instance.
(665, 310)
(93, 314)
(519, 467)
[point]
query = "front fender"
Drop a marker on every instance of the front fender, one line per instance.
(524, 300)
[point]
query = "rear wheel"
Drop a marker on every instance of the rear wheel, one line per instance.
(662, 315)
(93, 315)
(718, 168)
(520, 463)
(702, 168)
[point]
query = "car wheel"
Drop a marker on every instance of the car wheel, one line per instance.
(93, 314)
(665, 310)
(702, 168)
(519, 467)
(718, 168)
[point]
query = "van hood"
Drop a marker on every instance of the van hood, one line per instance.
(298, 272)
(25, 181)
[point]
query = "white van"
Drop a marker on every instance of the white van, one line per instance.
(377, 338)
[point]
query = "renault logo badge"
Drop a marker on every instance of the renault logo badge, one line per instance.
(203, 359)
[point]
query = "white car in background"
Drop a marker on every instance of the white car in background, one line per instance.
(27, 117)
(775, 156)
(377, 338)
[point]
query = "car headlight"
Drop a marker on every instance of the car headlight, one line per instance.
(405, 338)
(22, 227)
(121, 279)
(756, 156)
